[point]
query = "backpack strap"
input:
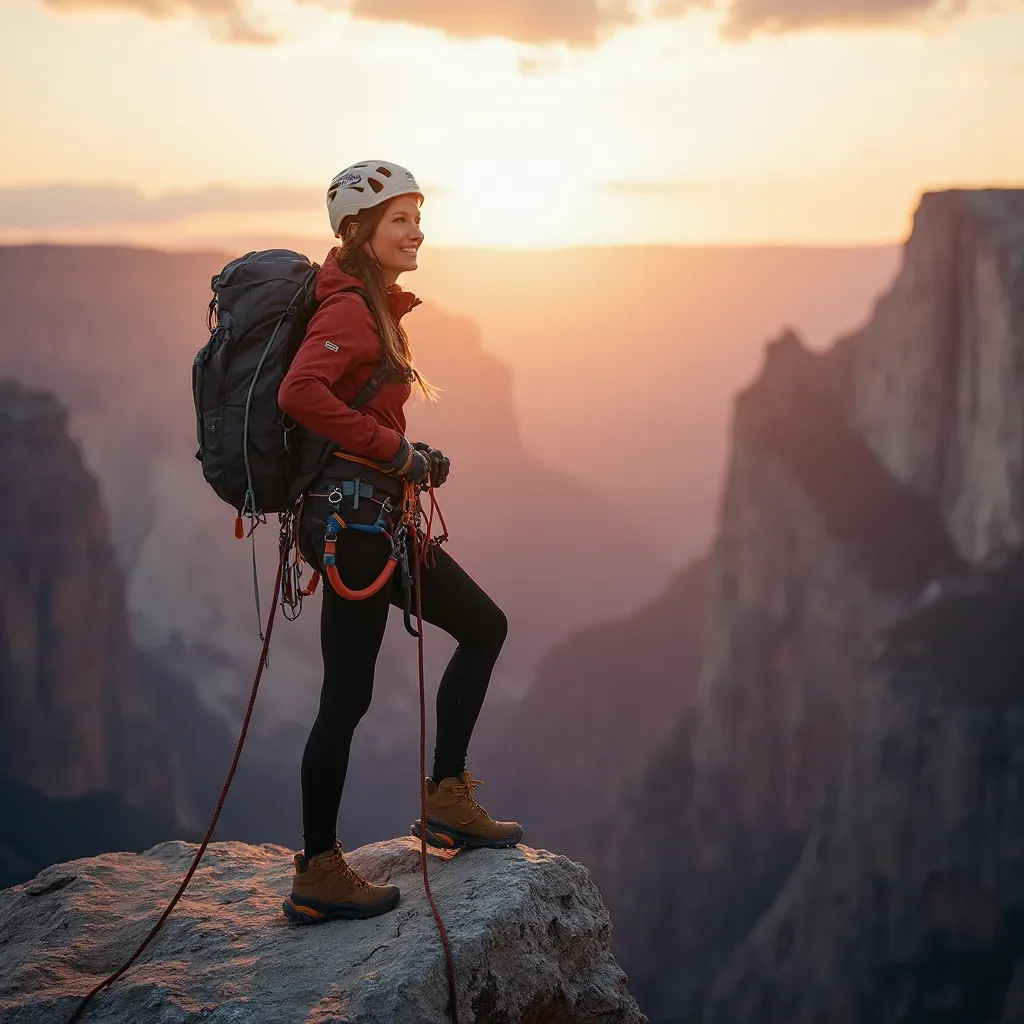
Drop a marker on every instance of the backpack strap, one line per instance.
(381, 373)
(371, 387)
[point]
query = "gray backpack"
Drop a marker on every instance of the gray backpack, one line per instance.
(255, 457)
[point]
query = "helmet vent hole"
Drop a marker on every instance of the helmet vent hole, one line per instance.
(357, 188)
(374, 184)
(384, 171)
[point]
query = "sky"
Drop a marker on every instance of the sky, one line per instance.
(536, 123)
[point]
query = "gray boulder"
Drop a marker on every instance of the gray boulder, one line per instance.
(530, 938)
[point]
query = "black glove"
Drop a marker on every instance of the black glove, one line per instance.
(439, 464)
(410, 463)
(439, 467)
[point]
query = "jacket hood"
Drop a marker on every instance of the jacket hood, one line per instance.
(331, 278)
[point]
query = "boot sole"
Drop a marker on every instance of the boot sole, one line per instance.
(443, 837)
(315, 912)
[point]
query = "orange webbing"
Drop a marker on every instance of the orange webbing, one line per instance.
(358, 595)
(363, 462)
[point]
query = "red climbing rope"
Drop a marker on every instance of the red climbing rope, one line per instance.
(434, 506)
(216, 814)
(423, 786)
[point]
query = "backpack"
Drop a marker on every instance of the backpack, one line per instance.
(255, 457)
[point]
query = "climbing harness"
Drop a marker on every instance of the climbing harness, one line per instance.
(288, 592)
(335, 524)
(408, 525)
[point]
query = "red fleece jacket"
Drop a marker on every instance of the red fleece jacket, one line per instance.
(338, 355)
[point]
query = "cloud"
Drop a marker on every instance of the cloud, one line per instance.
(76, 205)
(571, 22)
(577, 23)
(574, 22)
(226, 17)
(745, 18)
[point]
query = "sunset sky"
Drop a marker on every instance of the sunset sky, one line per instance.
(529, 122)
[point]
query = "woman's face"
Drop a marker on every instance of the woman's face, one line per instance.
(398, 237)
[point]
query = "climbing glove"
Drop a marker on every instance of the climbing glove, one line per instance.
(439, 464)
(409, 463)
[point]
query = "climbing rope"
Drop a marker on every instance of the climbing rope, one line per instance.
(423, 789)
(216, 814)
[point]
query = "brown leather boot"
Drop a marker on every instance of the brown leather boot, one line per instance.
(454, 818)
(327, 887)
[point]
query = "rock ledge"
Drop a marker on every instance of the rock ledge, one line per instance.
(530, 937)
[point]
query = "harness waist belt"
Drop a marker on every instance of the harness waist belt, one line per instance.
(348, 488)
(341, 469)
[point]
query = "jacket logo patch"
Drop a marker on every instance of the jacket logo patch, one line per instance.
(331, 346)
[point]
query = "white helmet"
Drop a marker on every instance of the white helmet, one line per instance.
(364, 185)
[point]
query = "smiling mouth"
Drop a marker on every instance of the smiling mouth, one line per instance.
(409, 250)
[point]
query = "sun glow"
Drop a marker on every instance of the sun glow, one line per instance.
(528, 203)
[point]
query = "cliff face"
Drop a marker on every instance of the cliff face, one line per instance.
(73, 716)
(818, 547)
(908, 902)
(856, 477)
(909, 898)
(940, 373)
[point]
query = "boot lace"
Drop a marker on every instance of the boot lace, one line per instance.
(348, 872)
(467, 791)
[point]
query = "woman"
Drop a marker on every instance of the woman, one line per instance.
(374, 210)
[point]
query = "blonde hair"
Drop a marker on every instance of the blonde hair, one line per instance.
(353, 259)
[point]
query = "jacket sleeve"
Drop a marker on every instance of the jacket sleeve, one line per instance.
(340, 336)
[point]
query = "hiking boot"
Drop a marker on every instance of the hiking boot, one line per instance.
(454, 818)
(327, 887)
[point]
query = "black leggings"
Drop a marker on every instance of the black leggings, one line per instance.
(351, 633)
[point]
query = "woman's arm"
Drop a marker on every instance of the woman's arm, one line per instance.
(340, 335)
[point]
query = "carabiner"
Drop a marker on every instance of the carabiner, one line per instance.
(403, 561)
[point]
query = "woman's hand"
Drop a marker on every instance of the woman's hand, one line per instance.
(439, 467)
(409, 463)
(439, 463)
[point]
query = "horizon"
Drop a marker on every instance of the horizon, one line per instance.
(216, 248)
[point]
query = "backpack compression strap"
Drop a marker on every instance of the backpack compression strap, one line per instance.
(369, 389)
